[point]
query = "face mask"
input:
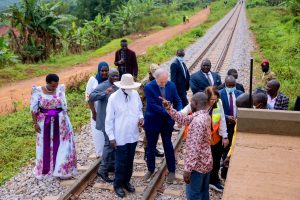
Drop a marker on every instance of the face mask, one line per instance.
(128, 91)
(181, 59)
(230, 90)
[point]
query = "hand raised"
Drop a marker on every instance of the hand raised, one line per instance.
(166, 104)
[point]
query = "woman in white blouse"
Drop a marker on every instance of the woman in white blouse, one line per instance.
(102, 75)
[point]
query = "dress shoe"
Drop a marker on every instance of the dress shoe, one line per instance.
(120, 192)
(170, 178)
(158, 153)
(105, 177)
(129, 187)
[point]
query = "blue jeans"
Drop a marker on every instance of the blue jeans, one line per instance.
(124, 164)
(198, 189)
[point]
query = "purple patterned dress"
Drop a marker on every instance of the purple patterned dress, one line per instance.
(55, 144)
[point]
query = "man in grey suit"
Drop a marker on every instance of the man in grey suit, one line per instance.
(204, 78)
(101, 95)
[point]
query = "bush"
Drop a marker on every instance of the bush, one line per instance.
(7, 57)
(279, 42)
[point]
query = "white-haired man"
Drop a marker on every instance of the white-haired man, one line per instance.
(157, 120)
(123, 117)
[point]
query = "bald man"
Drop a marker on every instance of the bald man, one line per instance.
(276, 100)
(204, 78)
(228, 96)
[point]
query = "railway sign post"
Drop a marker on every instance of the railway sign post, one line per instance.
(250, 84)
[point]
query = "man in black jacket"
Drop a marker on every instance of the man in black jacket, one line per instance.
(180, 76)
(125, 60)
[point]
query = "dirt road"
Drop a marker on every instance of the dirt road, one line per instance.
(20, 91)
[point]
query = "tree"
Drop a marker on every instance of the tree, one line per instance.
(40, 28)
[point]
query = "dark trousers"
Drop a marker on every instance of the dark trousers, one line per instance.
(152, 138)
(108, 157)
(230, 131)
(183, 98)
(216, 151)
(198, 188)
(124, 164)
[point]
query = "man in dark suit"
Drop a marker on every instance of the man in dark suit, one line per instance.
(126, 60)
(204, 78)
(180, 76)
(233, 73)
(157, 120)
(228, 96)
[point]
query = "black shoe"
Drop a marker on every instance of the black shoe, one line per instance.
(158, 153)
(105, 177)
(224, 172)
(111, 170)
(129, 187)
(120, 192)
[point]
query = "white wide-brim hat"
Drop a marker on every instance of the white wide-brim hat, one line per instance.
(127, 82)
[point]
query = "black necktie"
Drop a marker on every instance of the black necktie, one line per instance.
(184, 69)
(208, 78)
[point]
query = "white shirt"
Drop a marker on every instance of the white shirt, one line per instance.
(234, 103)
(271, 102)
(122, 117)
(223, 128)
(90, 87)
(181, 63)
(209, 76)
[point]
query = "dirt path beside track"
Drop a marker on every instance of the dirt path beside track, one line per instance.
(20, 91)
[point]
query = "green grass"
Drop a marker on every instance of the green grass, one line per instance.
(17, 147)
(54, 64)
(279, 42)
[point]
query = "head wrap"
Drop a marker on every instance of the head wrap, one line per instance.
(98, 76)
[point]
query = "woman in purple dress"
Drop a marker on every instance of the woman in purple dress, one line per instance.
(55, 145)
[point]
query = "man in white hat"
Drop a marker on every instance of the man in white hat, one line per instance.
(124, 116)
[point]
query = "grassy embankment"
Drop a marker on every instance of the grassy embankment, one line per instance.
(277, 34)
(17, 147)
(62, 61)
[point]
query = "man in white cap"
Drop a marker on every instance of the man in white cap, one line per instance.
(124, 116)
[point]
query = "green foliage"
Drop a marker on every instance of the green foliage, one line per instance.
(39, 29)
(292, 5)
(6, 56)
(279, 41)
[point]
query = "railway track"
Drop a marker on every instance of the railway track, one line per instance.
(217, 51)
